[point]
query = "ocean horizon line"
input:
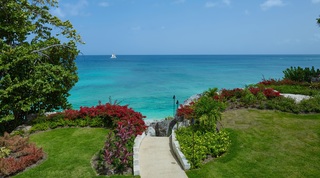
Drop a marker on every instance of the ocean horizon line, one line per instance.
(282, 54)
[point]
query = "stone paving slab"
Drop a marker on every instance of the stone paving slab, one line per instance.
(157, 160)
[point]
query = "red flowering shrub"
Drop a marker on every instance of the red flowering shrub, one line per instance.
(108, 115)
(71, 114)
(254, 90)
(116, 156)
(268, 92)
(228, 94)
(22, 154)
(269, 82)
(279, 82)
(271, 93)
(186, 111)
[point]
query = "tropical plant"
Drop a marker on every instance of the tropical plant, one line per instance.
(207, 112)
(198, 146)
(301, 75)
(37, 69)
(16, 154)
(107, 115)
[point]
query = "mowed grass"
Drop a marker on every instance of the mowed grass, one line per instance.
(69, 152)
(267, 144)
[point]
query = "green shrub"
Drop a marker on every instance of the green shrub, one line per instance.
(301, 75)
(207, 112)
(310, 105)
(4, 152)
(297, 89)
(248, 98)
(283, 104)
(197, 145)
(40, 127)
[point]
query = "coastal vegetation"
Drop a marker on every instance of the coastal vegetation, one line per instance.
(204, 113)
(249, 132)
(214, 132)
(37, 67)
(266, 143)
(123, 124)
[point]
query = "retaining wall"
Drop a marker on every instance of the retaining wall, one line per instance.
(136, 147)
(176, 149)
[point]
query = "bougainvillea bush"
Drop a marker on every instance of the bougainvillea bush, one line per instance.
(125, 125)
(107, 115)
(16, 154)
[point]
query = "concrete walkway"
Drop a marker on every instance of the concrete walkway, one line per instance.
(156, 159)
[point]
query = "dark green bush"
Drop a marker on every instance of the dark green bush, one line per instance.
(283, 104)
(301, 75)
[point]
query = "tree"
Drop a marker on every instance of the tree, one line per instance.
(37, 68)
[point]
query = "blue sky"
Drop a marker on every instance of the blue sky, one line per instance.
(194, 26)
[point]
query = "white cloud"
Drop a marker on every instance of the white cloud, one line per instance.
(210, 4)
(315, 1)
(226, 2)
(271, 3)
(58, 12)
(74, 9)
(104, 4)
(78, 8)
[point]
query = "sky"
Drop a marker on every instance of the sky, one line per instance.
(165, 27)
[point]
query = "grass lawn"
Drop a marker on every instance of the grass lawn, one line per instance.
(69, 151)
(267, 144)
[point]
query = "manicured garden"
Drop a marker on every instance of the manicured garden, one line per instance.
(207, 138)
(70, 141)
(68, 152)
(267, 144)
(242, 132)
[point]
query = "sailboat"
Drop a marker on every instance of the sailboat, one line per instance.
(113, 56)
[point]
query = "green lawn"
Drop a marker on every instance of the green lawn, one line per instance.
(267, 144)
(69, 151)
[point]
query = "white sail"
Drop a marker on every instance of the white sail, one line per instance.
(113, 56)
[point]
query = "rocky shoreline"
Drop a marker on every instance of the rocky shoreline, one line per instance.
(162, 128)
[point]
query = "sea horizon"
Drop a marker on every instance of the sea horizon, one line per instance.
(147, 83)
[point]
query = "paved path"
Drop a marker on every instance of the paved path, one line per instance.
(156, 159)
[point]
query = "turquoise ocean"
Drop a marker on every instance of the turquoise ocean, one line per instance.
(147, 83)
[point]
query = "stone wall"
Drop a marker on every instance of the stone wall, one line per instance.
(136, 147)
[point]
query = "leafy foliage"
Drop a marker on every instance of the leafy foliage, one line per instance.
(207, 112)
(116, 157)
(107, 115)
(18, 154)
(301, 75)
(197, 145)
(37, 70)
(293, 87)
